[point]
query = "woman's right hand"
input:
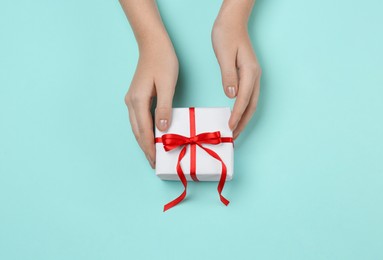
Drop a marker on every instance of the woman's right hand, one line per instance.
(156, 76)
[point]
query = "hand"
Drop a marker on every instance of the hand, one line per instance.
(240, 69)
(156, 75)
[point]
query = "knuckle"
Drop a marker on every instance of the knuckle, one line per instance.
(254, 69)
(127, 99)
(135, 98)
(141, 131)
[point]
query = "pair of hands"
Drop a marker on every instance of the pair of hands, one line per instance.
(157, 72)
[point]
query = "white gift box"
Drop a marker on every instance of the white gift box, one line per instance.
(207, 167)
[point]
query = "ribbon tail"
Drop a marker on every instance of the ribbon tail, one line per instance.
(175, 201)
(182, 177)
(222, 179)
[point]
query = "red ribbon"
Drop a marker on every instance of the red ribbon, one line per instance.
(173, 141)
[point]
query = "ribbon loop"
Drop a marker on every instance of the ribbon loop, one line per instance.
(172, 141)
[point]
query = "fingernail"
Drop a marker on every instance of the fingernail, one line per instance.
(231, 91)
(163, 124)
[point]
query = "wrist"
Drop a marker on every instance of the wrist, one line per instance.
(153, 38)
(234, 13)
(158, 53)
(154, 44)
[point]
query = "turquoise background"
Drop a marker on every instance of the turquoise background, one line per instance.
(308, 169)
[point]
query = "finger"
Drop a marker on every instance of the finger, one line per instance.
(141, 107)
(250, 110)
(133, 121)
(227, 63)
(165, 93)
(246, 85)
(132, 117)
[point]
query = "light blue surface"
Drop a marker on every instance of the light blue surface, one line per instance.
(309, 171)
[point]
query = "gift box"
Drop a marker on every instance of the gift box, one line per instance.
(198, 146)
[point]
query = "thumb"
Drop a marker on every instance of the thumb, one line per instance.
(163, 114)
(229, 75)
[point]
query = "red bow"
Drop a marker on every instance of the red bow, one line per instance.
(172, 141)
